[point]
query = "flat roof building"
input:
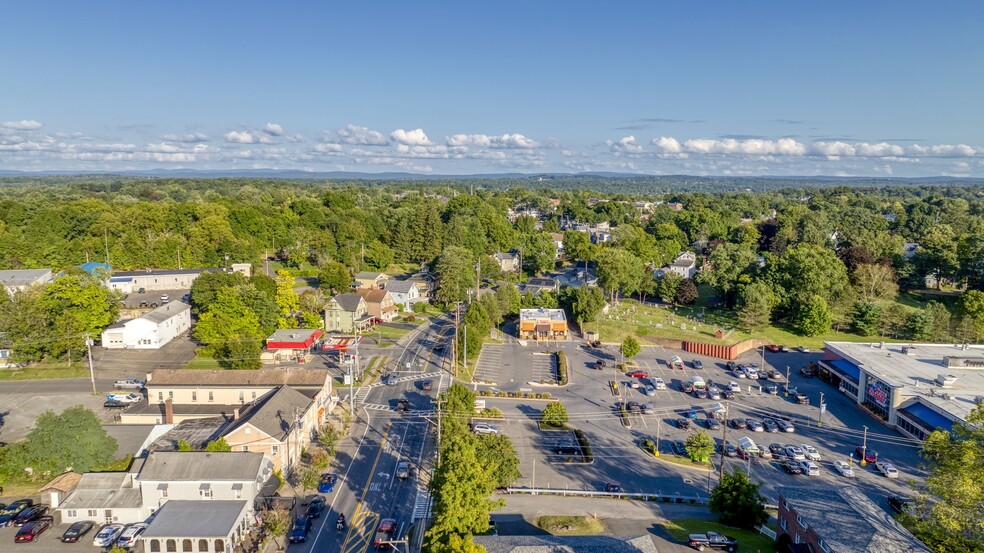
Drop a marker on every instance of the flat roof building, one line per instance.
(915, 388)
(543, 324)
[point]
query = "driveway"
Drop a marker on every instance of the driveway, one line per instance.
(124, 363)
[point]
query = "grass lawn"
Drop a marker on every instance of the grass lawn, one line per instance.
(203, 362)
(21, 489)
(570, 525)
(699, 324)
(46, 370)
(748, 540)
(388, 334)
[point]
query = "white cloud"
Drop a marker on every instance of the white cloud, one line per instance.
(505, 141)
(626, 145)
(23, 125)
(273, 129)
(415, 137)
(355, 135)
(190, 138)
(754, 146)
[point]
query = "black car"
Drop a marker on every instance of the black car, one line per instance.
(683, 423)
(792, 467)
(679, 447)
(730, 450)
(10, 512)
(426, 385)
(770, 425)
(701, 393)
(29, 514)
(315, 507)
(777, 450)
(899, 503)
(299, 533)
(738, 423)
(567, 448)
(712, 424)
(77, 530)
(727, 394)
(402, 405)
(686, 387)
(634, 407)
(116, 404)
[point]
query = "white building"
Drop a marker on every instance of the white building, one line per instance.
(198, 526)
(684, 265)
(168, 279)
(405, 292)
(15, 281)
(150, 331)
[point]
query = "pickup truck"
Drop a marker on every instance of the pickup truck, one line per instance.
(712, 540)
(129, 383)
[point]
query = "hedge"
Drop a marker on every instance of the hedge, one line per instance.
(582, 440)
(562, 367)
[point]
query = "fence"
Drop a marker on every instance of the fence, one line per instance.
(644, 496)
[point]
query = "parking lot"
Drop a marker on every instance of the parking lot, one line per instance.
(618, 457)
(510, 367)
(152, 298)
(50, 540)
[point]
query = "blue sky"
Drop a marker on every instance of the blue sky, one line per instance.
(706, 88)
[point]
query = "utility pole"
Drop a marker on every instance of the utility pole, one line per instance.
(864, 448)
(454, 346)
(439, 430)
(478, 279)
(787, 380)
(820, 414)
(724, 440)
(464, 346)
(92, 371)
(658, 425)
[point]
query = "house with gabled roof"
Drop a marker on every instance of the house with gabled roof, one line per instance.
(348, 313)
(405, 292)
(370, 280)
(150, 331)
(380, 304)
(22, 279)
(279, 424)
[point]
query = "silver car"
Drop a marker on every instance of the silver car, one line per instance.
(482, 428)
(794, 452)
(130, 534)
(107, 535)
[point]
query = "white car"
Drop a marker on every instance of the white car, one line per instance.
(751, 373)
(107, 535)
(129, 383)
(659, 384)
(740, 373)
(796, 453)
(125, 398)
(734, 386)
(810, 452)
(810, 468)
(482, 428)
(844, 469)
(634, 384)
(130, 534)
(887, 469)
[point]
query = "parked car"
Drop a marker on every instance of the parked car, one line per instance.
(683, 423)
(869, 455)
(679, 447)
(770, 425)
(402, 405)
(887, 469)
(686, 387)
(714, 392)
(772, 389)
(803, 349)
(807, 371)
(773, 348)
(731, 365)
(128, 538)
(755, 426)
(785, 425)
(693, 413)
(774, 374)
(315, 507)
(299, 533)
(730, 450)
(567, 448)
(810, 468)
(649, 391)
(899, 503)
(107, 535)
(129, 383)
(738, 423)
(31, 513)
(648, 408)
(638, 374)
(794, 452)
(844, 469)
(792, 467)
(483, 428)
(612, 487)
(712, 424)
(728, 394)
(700, 393)
(734, 387)
(125, 398)
(403, 470)
(114, 404)
(426, 385)
(810, 452)
(802, 399)
(697, 364)
(658, 383)
(777, 450)
(327, 483)
(30, 531)
(77, 530)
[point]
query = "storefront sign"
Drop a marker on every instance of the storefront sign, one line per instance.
(878, 392)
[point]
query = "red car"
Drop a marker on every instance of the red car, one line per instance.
(639, 374)
(773, 348)
(30, 531)
(387, 527)
(869, 455)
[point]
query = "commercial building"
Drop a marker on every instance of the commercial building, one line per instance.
(166, 279)
(18, 280)
(838, 520)
(915, 388)
(152, 330)
(543, 324)
(290, 344)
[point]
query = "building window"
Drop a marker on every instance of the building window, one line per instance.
(170, 395)
(71, 513)
(797, 537)
(160, 397)
(274, 449)
(211, 396)
(782, 523)
(245, 448)
(239, 493)
(803, 524)
(186, 546)
(241, 395)
(194, 396)
(171, 546)
(785, 504)
(207, 493)
(92, 513)
(164, 492)
(219, 546)
(254, 394)
(824, 546)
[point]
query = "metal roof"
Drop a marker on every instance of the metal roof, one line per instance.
(166, 311)
(273, 414)
(567, 544)
(196, 519)
(261, 377)
(195, 466)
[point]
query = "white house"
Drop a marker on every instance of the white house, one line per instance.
(198, 526)
(150, 331)
(405, 292)
(18, 280)
(684, 265)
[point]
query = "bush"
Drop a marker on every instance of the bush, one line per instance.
(649, 446)
(420, 307)
(562, 367)
(410, 319)
(582, 440)
(320, 460)
(545, 395)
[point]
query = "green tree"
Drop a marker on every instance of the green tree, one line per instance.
(942, 320)
(328, 437)
(971, 304)
(731, 265)
(508, 298)
(276, 522)
(806, 270)
(554, 414)
(309, 477)
(619, 272)
(287, 300)
(699, 446)
(956, 469)
(937, 254)
(218, 445)
(77, 305)
(183, 445)
(866, 318)
(455, 273)
(578, 246)
(206, 287)
(454, 543)
(586, 303)
(737, 502)
(230, 331)
(814, 318)
(756, 302)
(461, 487)
(496, 451)
(334, 278)
(73, 440)
(631, 347)
(686, 292)
(667, 286)
(539, 251)
(919, 326)
(875, 282)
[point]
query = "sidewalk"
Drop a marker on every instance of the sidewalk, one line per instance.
(532, 506)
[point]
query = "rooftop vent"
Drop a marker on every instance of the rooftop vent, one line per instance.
(945, 380)
(909, 350)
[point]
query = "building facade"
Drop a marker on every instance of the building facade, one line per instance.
(543, 324)
(150, 331)
(347, 313)
(22, 279)
(369, 280)
(379, 304)
(290, 344)
(405, 293)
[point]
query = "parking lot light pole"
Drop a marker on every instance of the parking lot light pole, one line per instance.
(864, 448)
(787, 380)
(820, 414)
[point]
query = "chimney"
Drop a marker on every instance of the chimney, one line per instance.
(235, 414)
(168, 412)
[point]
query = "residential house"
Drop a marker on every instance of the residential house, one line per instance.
(600, 236)
(280, 424)
(174, 396)
(198, 526)
(538, 285)
(380, 304)
(348, 313)
(838, 520)
(426, 282)
(508, 262)
(558, 240)
(684, 265)
(405, 292)
(290, 344)
(22, 279)
(150, 331)
(369, 280)
(543, 324)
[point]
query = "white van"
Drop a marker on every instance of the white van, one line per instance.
(698, 383)
(747, 448)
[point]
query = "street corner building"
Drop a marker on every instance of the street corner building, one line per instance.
(543, 324)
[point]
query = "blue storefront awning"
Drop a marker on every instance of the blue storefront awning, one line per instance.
(931, 419)
(847, 369)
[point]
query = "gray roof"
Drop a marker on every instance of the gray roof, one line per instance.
(197, 432)
(849, 522)
(567, 544)
(196, 519)
(163, 272)
(129, 437)
(298, 376)
(103, 490)
(400, 286)
(23, 277)
(166, 311)
(292, 334)
(273, 413)
(368, 275)
(348, 302)
(194, 466)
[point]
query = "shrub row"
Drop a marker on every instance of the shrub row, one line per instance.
(582, 440)
(562, 367)
(514, 395)
(493, 413)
